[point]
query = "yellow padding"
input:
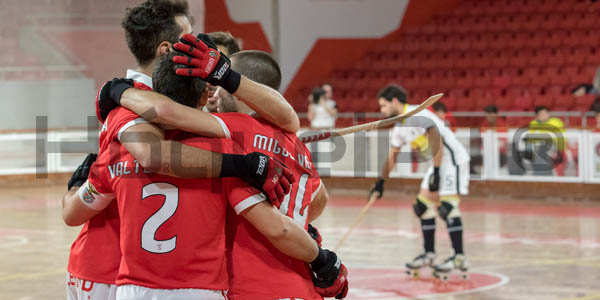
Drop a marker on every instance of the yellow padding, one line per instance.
(450, 199)
(421, 143)
(425, 200)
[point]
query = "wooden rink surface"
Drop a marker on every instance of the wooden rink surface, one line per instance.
(525, 249)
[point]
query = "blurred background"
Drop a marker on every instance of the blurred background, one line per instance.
(500, 64)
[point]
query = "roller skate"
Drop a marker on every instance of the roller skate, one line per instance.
(423, 260)
(456, 262)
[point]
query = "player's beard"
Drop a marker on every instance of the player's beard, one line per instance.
(393, 112)
(227, 102)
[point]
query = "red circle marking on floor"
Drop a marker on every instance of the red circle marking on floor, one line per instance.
(396, 284)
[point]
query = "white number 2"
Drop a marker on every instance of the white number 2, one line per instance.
(171, 193)
(298, 215)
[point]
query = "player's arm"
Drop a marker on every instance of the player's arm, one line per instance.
(285, 234)
(289, 238)
(311, 112)
(390, 162)
(317, 205)
(388, 167)
(215, 68)
(147, 144)
(435, 142)
(74, 210)
(269, 104)
(161, 109)
(332, 111)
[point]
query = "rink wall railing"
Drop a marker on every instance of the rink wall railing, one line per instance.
(496, 154)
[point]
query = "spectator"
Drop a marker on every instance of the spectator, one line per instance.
(542, 129)
(328, 91)
(491, 117)
(321, 112)
(441, 111)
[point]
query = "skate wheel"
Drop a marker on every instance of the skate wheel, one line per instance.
(413, 273)
(440, 276)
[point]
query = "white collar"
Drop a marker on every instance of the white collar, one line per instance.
(139, 77)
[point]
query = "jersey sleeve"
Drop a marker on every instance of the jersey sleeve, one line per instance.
(422, 120)
(397, 138)
(119, 120)
(238, 126)
(96, 193)
(240, 195)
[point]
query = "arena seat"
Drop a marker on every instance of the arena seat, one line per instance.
(519, 52)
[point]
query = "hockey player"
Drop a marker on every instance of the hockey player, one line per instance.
(446, 179)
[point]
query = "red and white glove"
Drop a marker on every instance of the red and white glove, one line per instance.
(330, 275)
(206, 62)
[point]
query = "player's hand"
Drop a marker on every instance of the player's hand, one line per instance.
(206, 62)
(434, 180)
(81, 173)
(109, 96)
(377, 188)
(315, 234)
(330, 275)
(269, 176)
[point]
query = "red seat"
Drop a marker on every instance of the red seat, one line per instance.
(577, 56)
(543, 100)
(457, 94)
(583, 103)
(502, 102)
(534, 22)
(555, 91)
(450, 103)
(563, 103)
(465, 104)
(552, 21)
(523, 103)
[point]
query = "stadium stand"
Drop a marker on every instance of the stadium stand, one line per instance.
(517, 54)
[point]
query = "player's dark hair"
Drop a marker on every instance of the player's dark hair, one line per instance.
(225, 39)
(491, 109)
(392, 91)
(258, 66)
(317, 93)
(540, 108)
(182, 89)
(439, 106)
(151, 23)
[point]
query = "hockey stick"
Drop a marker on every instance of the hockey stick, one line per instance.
(315, 136)
(357, 221)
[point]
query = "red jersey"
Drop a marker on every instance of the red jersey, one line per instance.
(95, 253)
(174, 228)
(257, 269)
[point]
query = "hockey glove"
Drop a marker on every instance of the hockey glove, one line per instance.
(206, 62)
(260, 171)
(377, 188)
(434, 180)
(330, 275)
(109, 96)
(81, 173)
(315, 234)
